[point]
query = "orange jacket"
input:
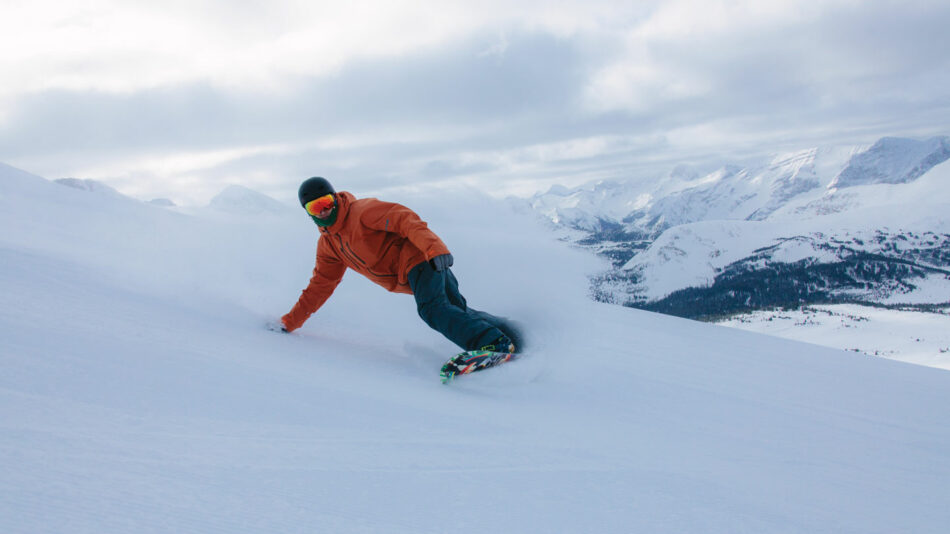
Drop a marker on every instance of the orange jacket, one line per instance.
(382, 241)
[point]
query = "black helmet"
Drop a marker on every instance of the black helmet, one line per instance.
(314, 188)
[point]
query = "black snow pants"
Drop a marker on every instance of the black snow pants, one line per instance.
(443, 308)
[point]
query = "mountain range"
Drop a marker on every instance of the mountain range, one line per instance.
(858, 224)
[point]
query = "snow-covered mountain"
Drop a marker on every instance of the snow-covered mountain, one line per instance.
(731, 192)
(894, 161)
(753, 192)
(855, 225)
(232, 200)
(690, 231)
(141, 393)
(237, 199)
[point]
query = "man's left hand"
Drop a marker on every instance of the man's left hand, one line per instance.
(442, 262)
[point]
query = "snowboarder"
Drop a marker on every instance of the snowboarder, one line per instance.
(389, 244)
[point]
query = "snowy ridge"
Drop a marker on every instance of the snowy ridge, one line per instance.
(731, 192)
(88, 185)
(237, 199)
(873, 219)
(140, 393)
(586, 208)
(894, 161)
(684, 236)
(754, 192)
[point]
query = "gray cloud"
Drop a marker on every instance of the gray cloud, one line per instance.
(539, 76)
(853, 74)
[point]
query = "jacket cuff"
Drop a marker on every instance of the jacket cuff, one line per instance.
(288, 326)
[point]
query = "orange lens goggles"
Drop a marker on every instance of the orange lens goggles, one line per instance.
(314, 207)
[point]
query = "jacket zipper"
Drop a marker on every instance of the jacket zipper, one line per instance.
(349, 253)
(353, 253)
(345, 252)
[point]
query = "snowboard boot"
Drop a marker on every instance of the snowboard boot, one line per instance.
(474, 360)
(503, 344)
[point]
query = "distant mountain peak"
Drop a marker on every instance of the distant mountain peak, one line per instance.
(240, 199)
(684, 173)
(894, 160)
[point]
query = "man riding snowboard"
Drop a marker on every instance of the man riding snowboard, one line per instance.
(389, 244)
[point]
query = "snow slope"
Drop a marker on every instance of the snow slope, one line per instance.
(140, 393)
(910, 336)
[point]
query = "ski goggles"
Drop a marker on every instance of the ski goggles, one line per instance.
(315, 206)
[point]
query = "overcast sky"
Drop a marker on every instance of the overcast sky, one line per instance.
(178, 98)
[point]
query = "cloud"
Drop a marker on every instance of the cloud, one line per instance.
(130, 45)
(445, 100)
(733, 56)
(179, 98)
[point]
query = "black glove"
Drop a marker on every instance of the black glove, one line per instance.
(441, 263)
(275, 326)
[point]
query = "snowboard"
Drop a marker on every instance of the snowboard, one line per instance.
(471, 361)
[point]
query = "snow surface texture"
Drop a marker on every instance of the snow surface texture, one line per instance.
(916, 337)
(140, 393)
